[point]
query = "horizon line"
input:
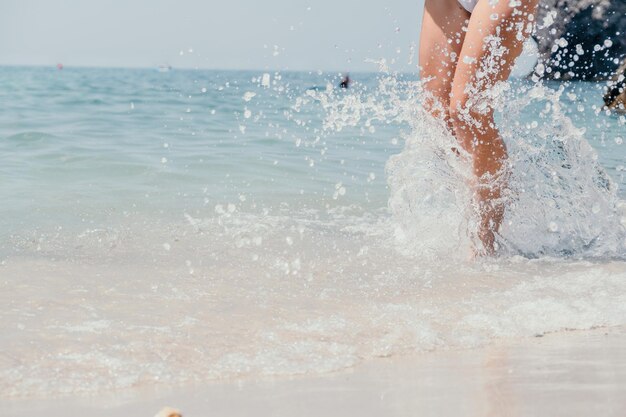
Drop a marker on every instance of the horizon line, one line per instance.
(155, 67)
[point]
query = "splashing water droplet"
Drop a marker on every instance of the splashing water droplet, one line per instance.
(248, 95)
(265, 80)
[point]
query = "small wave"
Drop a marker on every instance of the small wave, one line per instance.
(30, 137)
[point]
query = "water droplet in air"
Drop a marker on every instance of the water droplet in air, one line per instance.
(249, 95)
(265, 80)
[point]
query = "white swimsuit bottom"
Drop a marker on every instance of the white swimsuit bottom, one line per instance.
(468, 4)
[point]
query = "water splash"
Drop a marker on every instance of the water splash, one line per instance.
(562, 201)
(559, 200)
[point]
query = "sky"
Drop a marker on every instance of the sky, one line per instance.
(329, 35)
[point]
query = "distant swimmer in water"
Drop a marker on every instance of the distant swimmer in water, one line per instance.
(345, 82)
(467, 47)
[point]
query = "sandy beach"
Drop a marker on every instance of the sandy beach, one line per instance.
(572, 373)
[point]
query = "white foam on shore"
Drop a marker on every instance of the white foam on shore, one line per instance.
(241, 295)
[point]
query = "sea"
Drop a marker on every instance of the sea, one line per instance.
(163, 228)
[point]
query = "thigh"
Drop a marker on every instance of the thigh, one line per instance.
(441, 41)
(495, 38)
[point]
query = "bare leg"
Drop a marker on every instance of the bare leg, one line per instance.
(441, 41)
(494, 39)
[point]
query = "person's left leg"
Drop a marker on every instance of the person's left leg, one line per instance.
(441, 41)
(494, 39)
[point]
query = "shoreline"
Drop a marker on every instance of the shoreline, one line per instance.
(563, 373)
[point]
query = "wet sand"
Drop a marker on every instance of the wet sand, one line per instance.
(572, 373)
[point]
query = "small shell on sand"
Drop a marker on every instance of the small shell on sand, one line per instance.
(169, 412)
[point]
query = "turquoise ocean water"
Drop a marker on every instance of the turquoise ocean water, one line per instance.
(81, 143)
(196, 225)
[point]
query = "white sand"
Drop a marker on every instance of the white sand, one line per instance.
(580, 373)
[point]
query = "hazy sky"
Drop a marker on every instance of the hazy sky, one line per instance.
(237, 34)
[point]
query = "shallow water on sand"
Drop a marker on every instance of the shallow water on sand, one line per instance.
(198, 225)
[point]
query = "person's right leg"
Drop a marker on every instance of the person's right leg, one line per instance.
(441, 41)
(495, 36)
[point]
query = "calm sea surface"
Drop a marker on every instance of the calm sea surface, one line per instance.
(80, 143)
